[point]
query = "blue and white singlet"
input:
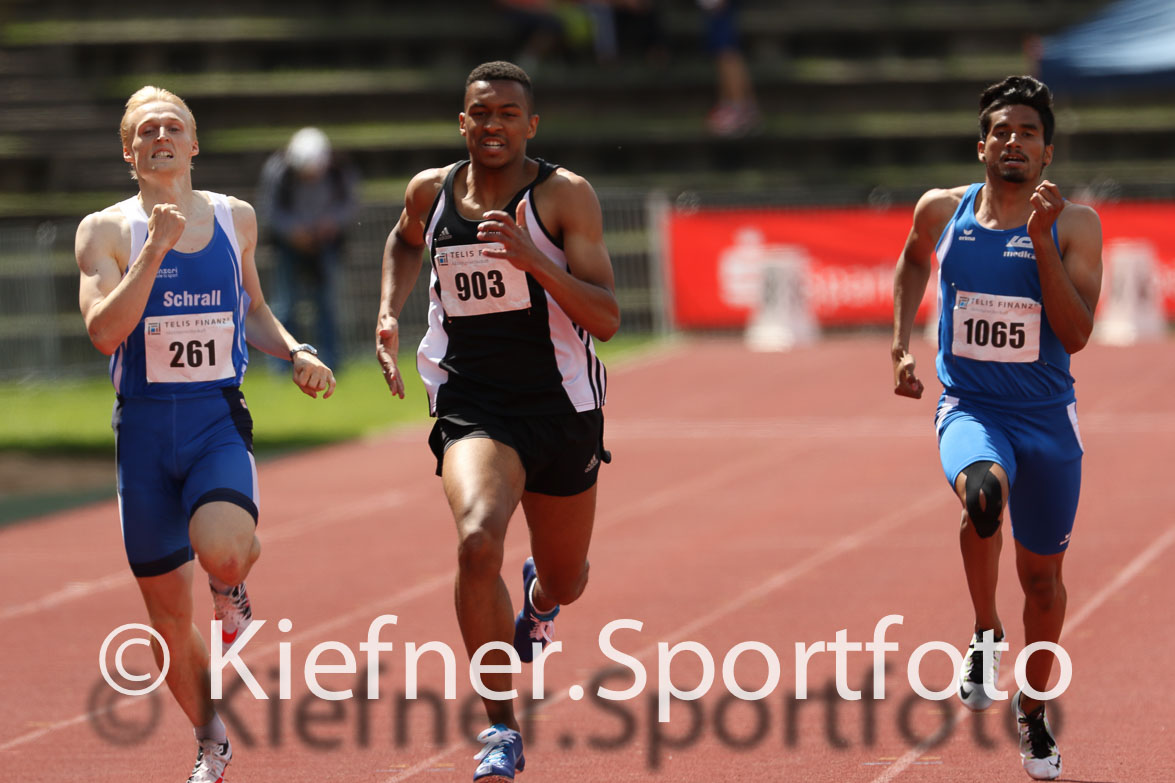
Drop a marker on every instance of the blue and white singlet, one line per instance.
(191, 338)
(995, 342)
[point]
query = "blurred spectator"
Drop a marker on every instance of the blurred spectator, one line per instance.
(736, 112)
(306, 200)
(540, 30)
(605, 42)
(609, 30)
(626, 28)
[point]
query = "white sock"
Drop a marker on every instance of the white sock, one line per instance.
(219, 586)
(547, 613)
(214, 730)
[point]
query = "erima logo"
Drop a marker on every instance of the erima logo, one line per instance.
(592, 463)
(188, 299)
(444, 234)
(966, 235)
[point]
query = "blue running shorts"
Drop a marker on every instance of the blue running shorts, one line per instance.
(1039, 448)
(174, 455)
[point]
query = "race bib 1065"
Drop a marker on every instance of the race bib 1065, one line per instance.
(189, 348)
(995, 328)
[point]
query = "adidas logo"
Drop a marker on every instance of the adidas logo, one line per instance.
(444, 234)
(592, 463)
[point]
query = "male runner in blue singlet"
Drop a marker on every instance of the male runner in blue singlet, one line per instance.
(521, 282)
(1020, 274)
(169, 289)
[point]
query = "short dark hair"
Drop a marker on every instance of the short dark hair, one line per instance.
(1024, 90)
(500, 70)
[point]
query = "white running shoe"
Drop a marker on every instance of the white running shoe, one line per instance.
(211, 759)
(974, 674)
(1038, 749)
(233, 611)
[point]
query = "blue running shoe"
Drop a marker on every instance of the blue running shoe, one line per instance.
(529, 625)
(501, 757)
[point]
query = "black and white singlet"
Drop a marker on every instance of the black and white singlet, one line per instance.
(496, 340)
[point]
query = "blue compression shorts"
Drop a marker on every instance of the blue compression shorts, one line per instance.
(1040, 450)
(174, 456)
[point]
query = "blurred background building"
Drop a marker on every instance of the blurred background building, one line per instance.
(862, 105)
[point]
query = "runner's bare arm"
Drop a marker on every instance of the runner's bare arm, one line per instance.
(1070, 279)
(403, 254)
(262, 329)
(585, 291)
(931, 215)
(111, 302)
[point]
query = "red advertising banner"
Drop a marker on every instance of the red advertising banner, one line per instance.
(718, 257)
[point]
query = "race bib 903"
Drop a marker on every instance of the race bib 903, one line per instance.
(189, 348)
(994, 328)
(474, 284)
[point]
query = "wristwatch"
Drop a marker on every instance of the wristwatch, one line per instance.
(307, 347)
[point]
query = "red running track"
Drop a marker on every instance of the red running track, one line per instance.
(770, 498)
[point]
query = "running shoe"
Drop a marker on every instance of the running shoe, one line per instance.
(974, 674)
(211, 759)
(232, 609)
(1038, 749)
(501, 757)
(530, 626)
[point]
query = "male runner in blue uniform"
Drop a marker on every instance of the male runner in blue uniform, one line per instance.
(521, 283)
(1020, 274)
(169, 289)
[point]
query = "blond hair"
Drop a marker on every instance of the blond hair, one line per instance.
(142, 97)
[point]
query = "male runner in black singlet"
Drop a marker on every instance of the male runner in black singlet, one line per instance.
(521, 282)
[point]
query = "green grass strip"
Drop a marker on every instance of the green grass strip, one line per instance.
(73, 417)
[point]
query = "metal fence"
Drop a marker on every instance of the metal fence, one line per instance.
(42, 334)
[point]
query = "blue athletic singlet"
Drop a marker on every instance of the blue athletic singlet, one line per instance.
(995, 342)
(191, 338)
(183, 433)
(1008, 395)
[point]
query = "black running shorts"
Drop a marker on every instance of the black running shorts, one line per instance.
(561, 454)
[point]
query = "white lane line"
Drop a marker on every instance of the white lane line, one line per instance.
(904, 513)
(681, 490)
(310, 521)
(61, 724)
(690, 429)
(1120, 580)
(832, 427)
(71, 591)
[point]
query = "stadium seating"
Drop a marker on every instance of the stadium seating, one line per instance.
(854, 94)
(862, 101)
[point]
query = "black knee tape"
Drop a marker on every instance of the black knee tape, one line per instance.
(986, 517)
